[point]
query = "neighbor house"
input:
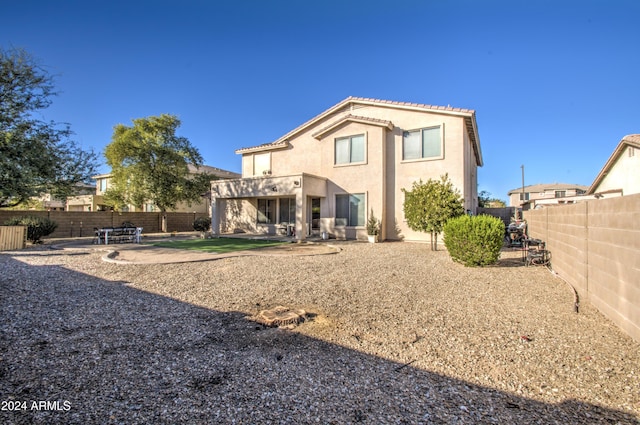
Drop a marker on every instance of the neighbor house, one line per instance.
(621, 173)
(327, 175)
(96, 202)
(552, 193)
(619, 176)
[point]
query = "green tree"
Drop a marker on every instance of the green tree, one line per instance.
(150, 164)
(486, 201)
(428, 206)
(36, 157)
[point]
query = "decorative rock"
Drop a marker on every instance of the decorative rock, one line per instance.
(281, 316)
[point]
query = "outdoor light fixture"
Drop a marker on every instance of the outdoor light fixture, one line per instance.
(274, 188)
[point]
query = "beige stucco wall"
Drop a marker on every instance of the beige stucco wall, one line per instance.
(84, 203)
(380, 177)
(624, 174)
(407, 172)
(383, 174)
(239, 215)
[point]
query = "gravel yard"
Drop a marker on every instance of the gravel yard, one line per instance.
(397, 334)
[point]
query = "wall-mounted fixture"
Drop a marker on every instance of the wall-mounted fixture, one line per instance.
(296, 182)
(274, 188)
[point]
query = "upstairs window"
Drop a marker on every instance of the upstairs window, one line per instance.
(262, 164)
(524, 196)
(425, 143)
(349, 150)
(561, 193)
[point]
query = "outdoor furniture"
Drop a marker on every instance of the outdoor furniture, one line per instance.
(98, 236)
(288, 229)
(112, 235)
(535, 252)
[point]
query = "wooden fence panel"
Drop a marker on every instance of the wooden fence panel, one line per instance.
(13, 237)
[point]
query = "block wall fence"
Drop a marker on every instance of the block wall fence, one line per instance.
(595, 246)
(73, 224)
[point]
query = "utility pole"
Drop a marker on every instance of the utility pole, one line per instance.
(522, 204)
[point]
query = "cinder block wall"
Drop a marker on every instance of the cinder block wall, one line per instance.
(81, 223)
(614, 260)
(503, 214)
(595, 246)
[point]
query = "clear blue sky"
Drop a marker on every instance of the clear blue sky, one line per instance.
(555, 84)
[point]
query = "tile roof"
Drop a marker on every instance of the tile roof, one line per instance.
(468, 114)
(219, 172)
(411, 104)
(264, 146)
(632, 139)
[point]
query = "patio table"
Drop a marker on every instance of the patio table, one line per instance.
(103, 234)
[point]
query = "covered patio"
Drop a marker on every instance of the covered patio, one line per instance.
(284, 206)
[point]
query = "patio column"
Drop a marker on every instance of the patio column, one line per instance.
(215, 217)
(301, 215)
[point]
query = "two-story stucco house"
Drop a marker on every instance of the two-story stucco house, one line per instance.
(328, 174)
(546, 194)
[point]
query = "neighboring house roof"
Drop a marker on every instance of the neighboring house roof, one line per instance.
(219, 172)
(101, 176)
(630, 140)
(538, 188)
(468, 115)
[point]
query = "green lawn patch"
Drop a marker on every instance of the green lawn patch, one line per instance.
(218, 245)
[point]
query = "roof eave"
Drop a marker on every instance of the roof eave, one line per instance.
(469, 113)
(268, 147)
(352, 118)
(630, 140)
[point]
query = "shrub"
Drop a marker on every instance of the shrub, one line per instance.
(37, 227)
(202, 224)
(373, 225)
(474, 240)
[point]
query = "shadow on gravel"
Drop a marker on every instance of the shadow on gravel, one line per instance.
(47, 254)
(510, 262)
(101, 352)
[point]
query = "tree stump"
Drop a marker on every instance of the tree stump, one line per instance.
(281, 316)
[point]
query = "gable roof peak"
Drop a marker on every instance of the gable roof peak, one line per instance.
(632, 140)
(469, 116)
